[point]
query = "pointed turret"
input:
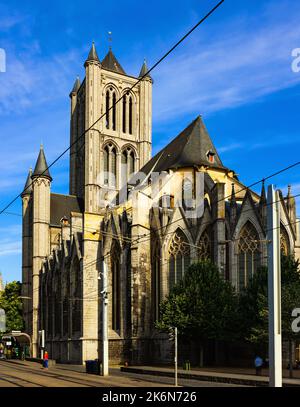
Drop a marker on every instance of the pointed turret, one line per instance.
(93, 56)
(28, 185)
(75, 87)
(144, 70)
(263, 197)
(291, 207)
(111, 63)
(41, 167)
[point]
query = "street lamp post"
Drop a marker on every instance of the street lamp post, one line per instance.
(105, 371)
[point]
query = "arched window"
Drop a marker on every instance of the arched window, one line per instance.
(76, 300)
(284, 241)
(116, 292)
(114, 112)
(107, 109)
(204, 247)
(130, 115)
(124, 114)
(127, 113)
(128, 164)
(155, 267)
(249, 254)
(110, 165)
(110, 109)
(179, 260)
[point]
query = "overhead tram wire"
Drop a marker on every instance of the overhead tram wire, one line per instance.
(117, 101)
(143, 237)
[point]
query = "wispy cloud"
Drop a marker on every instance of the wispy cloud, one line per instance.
(8, 22)
(248, 63)
(31, 80)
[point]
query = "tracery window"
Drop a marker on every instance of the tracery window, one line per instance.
(284, 241)
(204, 247)
(179, 260)
(249, 254)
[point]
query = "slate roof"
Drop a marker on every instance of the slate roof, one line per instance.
(76, 86)
(28, 186)
(144, 70)
(93, 56)
(188, 149)
(63, 205)
(111, 63)
(41, 167)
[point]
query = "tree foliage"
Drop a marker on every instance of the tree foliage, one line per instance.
(11, 302)
(201, 305)
(253, 302)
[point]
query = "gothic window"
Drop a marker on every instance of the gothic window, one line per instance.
(204, 247)
(107, 109)
(155, 266)
(249, 254)
(124, 114)
(116, 283)
(114, 111)
(130, 115)
(128, 164)
(76, 300)
(110, 165)
(179, 257)
(284, 241)
(127, 113)
(110, 109)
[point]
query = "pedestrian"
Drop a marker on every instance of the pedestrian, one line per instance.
(258, 362)
(46, 359)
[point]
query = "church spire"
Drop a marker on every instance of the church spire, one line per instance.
(93, 56)
(28, 185)
(41, 167)
(263, 205)
(144, 70)
(263, 198)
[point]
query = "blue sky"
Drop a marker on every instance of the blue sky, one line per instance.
(235, 70)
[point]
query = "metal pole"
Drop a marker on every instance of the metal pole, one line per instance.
(274, 289)
(175, 358)
(105, 356)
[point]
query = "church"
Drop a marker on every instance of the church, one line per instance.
(147, 218)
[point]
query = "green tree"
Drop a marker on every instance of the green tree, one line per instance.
(254, 311)
(11, 302)
(201, 305)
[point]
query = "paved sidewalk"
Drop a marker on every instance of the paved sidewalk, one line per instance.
(221, 375)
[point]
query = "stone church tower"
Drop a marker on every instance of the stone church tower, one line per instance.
(118, 144)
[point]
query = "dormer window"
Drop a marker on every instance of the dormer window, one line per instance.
(210, 156)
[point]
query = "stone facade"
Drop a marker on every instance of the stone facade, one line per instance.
(182, 206)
